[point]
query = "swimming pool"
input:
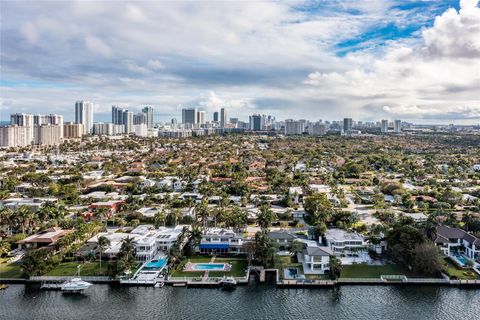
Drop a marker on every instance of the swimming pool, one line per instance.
(156, 264)
(461, 260)
(209, 266)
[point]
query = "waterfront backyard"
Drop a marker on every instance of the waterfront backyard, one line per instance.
(238, 267)
(87, 269)
(9, 270)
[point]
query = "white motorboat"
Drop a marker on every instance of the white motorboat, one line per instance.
(75, 285)
(228, 282)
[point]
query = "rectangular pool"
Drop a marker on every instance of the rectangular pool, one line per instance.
(209, 266)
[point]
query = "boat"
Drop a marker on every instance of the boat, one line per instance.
(228, 282)
(3, 286)
(75, 285)
(159, 284)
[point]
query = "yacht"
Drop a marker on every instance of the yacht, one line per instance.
(75, 285)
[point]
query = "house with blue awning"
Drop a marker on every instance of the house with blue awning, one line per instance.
(220, 241)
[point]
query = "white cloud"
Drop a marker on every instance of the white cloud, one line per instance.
(96, 45)
(438, 77)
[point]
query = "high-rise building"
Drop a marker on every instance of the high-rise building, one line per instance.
(148, 111)
(347, 125)
(397, 126)
(73, 130)
(384, 126)
(140, 118)
(128, 122)
(256, 123)
(223, 118)
(84, 115)
(16, 136)
(117, 114)
(201, 117)
(318, 129)
(22, 119)
(53, 119)
(189, 115)
(47, 135)
(294, 127)
(215, 116)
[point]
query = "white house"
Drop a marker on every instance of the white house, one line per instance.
(455, 241)
(217, 240)
(315, 260)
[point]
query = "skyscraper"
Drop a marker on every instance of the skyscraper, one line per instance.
(293, 127)
(117, 114)
(84, 115)
(189, 115)
(148, 111)
(215, 116)
(140, 118)
(128, 121)
(397, 126)
(347, 125)
(256, 122)
(22, 119)
(201, 117)
(223, 118)
(384, 126)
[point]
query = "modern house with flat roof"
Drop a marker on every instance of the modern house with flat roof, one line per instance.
(455, 241)
(149, 242)
(218, 240)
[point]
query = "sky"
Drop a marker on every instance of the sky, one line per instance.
(417, 61)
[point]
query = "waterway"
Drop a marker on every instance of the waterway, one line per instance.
(254, 301)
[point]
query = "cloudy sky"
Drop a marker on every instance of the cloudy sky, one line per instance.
(398, 59)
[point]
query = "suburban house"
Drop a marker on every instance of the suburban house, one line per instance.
(33, 204)
(45, 238)
(148, 241)
(217, 240)
(315, 260)
(284, 239)
(344, 242)
(455, 241)
(111, 206)
(170, 183)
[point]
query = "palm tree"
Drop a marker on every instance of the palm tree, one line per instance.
(265, 217)
(159, 219)
(103, 243)
(335, 266)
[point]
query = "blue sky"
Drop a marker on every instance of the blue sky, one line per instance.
(413, 60)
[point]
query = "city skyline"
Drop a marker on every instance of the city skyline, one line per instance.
(415, 61)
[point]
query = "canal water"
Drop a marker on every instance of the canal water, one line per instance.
(254, 301)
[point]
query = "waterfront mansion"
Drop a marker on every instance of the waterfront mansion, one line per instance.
(455, 241)
(148, 241)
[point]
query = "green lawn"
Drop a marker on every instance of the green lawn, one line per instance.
(239, 265)
(88, 269)
(368, 271)
(462, 274)
(9, 270)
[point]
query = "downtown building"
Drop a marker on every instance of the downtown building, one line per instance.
(47, 135)
(294, 127)
(256, 122)
(317, 129)
(73, 130)
(16, 136)
(84, 115)
(189, 116)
